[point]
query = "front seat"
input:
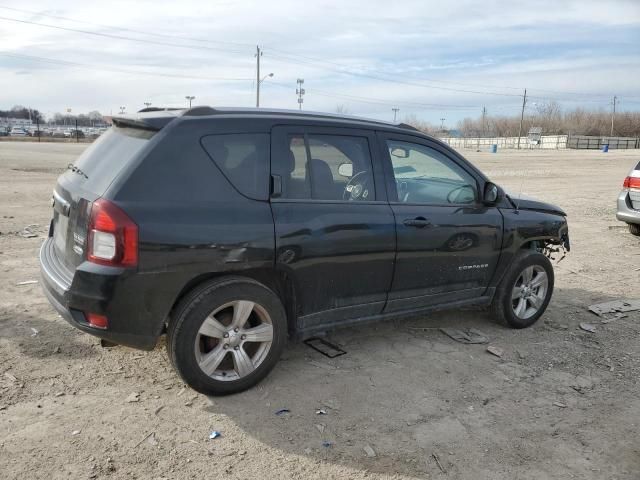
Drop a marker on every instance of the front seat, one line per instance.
(322, 185)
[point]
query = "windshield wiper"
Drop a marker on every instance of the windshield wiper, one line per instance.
(75, 169)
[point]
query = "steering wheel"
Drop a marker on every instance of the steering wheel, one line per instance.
(357, 188)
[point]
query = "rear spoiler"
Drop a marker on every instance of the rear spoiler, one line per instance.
(153, 119)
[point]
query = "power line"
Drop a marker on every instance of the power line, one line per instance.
(119, 37)
(116, 70)
(124, 29)
(342, 65)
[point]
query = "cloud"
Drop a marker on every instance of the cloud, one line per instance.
(494, 46)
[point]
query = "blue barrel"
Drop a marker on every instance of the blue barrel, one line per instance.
(494, 148)
(605, 148)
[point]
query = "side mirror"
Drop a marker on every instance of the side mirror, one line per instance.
(492, 193)
(346, 170)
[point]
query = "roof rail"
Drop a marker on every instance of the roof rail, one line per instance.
(158, 109)
(199, 111)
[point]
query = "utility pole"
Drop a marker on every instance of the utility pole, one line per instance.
(484, 121)
(395, 113)
(442, 124)
(300, 92)
(258, 55)
(524, 102)
(613, 114)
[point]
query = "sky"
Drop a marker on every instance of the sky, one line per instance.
(432, 60)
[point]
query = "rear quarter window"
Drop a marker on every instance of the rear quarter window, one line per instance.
(243, 159)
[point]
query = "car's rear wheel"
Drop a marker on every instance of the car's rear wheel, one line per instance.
(227, 335)
(525, 291)
(634, 228)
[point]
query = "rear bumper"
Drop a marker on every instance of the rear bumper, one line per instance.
(97, 289)
(626, 213)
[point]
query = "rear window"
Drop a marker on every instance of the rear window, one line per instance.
(101, 163)
(243, 159)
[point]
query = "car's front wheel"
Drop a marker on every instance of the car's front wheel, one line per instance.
(525, 291)
(634, 228)
(227, 335)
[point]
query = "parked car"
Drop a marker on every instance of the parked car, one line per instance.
(629, 201)
(231, 229)
(18, 132)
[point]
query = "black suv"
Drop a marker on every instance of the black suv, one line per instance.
(230, 229)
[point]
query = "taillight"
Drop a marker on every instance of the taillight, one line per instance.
(97, 321)
(631, 182)
(112, 237)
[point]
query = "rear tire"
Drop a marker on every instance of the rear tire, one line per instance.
(525, 290)
(226, 335)
(634, 228)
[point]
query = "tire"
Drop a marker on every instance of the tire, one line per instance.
(508, 308)
(226, 354)
(634, 228)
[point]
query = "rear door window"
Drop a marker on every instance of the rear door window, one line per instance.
(243, 158)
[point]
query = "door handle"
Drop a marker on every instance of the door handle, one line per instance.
(418, 222)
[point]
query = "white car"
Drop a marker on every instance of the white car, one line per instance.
(629, 201)
(18, 132)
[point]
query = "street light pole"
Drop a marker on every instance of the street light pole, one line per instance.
(190, 98)
(147, 104)
(442, 124)
(395, 113)
(258, 55)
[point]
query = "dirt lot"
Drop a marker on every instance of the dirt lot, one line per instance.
(561, 403)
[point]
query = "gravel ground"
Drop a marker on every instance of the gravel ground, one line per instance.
(405, 402)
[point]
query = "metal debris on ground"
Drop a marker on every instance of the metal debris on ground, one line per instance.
(587, 327)
(498, 352)
(133, 397)
(34, 332)
(469, 335)
(327, 349)
(214, 434)
(282, 411)
(321, 411)
(435, 457)
(27, 282)
(615, 306)
(369, 451)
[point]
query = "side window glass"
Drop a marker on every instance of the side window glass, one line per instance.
(243, 159)
(424, 175)
(340, 168)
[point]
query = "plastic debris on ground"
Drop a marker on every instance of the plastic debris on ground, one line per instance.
(559, 404)
(615, 306)
(321, 411)
(498, 352)
(587, 327)
(469, 335)
(27, 282)
(282, 411)
(214, 434)
(34, 332)
(369, 451)
(327, 443)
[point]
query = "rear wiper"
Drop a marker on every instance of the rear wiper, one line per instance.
(75, 169)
